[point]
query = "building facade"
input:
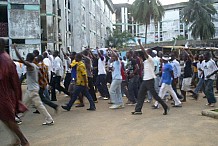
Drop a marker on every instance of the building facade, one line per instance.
(18, 25)
(91, 23)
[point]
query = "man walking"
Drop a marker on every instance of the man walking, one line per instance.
(148, 84)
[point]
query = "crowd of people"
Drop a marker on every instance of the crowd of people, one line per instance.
(138, 75)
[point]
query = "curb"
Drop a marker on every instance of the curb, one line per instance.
(210, 113)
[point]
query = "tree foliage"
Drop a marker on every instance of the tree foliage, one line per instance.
(199, 14)
(146, 10)
(119, 39)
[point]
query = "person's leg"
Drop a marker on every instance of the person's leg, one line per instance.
(45, 100)
(141, 97)
(199, 85)
(119, 94)
(76, 91)
(53, 92)
(12, 125)
(89, 97)
(135, 86)
(209, 92)
(173, 94)
(162, 93)
(112, 92)
(67, 81)
(124, 88)
(131, 91)
(99, 85)
(58, 86)
(175, 89)
(150, 87)
(46, 93)
(104, 85)
(91, 88)
(40, 107)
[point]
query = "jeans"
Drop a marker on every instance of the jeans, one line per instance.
(209, 91)
(46, 100)
(148, 85)
(76, 91)
(124, 88)
(133, 88)
(46, 93)
(115, 92)
(56, 85)
(199, 85)
(101, 84)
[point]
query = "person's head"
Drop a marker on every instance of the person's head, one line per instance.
(2, 45)
(129, 54)
(30, 57)
(56, 53)
(72, 55)
(207, 56)
(172, 56)
(101, 52)
(149, 51)
(196, 57)
(165, 58)
(40, 58)
(36, 53)
(78, 57)
(124, 58)
(201, 58)
(135, 54)
(141, 55)
(86, 52)
(45, 55)
(120, 58)
(160, 54)
(49, 52)
(154, 52)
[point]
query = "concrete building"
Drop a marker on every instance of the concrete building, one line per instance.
(91, 23)
(124, 19)
(171, 25)
(55, 24)
(18, 26)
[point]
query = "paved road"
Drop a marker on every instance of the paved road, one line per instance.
(105, 127)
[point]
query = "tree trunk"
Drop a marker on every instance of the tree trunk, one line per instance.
(146, 32)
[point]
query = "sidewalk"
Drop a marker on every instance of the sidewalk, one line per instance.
(105, 127)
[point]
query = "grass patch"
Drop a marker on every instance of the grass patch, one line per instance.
(216, 110)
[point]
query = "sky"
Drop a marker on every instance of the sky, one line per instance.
(164, 2)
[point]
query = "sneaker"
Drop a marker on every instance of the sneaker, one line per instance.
(132, 103)
(147, 101)
(96, 101)
(91, 109)
(121, 106)
(195, 96)
(136, 113)
(105, 98)
(155, 106)
(18, 120)
(208, 104)
(48, 123)
(114, 106)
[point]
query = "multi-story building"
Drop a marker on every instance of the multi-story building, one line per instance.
(124, 19)
(18, 26)
(55, 24)
(91, 23)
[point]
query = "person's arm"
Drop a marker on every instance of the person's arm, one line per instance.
(114, 54)
(143, 49)
(62, 50)
(215, 70)
(100, 55)
(190, 56)
(19, 56)
(68, 49)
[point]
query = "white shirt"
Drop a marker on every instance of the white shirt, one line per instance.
(200, 66)
(47, 62)
(20, 67)
(67, 62)
(209, 67)
(156, 64)
(149, 69)
(101, 66)
(176, 68)
(58, 66)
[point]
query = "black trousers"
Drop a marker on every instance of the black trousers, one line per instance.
(56, 85)
(175, 90)
(45, 100)
(67, 80)
(91, 88)
(147, 85)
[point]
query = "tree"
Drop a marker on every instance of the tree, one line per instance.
(146, 10)
(199, 14)
(119, 39)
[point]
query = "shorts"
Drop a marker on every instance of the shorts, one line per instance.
(186, 84)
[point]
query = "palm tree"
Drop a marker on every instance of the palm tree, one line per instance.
(199, 14)
(146, 10)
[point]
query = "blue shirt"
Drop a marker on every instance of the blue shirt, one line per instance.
(116, 74)
(166, 73)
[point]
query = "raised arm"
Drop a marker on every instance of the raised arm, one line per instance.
(14, 46)
(100, 55)
(114, 53)
(62, 50)
(142, 48)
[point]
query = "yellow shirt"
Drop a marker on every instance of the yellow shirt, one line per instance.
(80, 72)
